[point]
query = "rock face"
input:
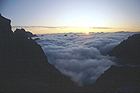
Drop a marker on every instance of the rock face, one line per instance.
(21, 33)
(24, 67)
(124, 78)
(5, 27)
(119, 80)
(128, 51)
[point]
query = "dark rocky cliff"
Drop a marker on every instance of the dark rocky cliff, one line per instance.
(23, 65)
(128, 51)
(119, 80)
(125, 77)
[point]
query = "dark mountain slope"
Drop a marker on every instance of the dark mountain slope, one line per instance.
(124, 78)
(128, 51)
(119, 80)
(23, 65)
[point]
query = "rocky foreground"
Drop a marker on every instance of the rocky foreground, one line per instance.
(24, 67)
(125, 76)
(128, 51)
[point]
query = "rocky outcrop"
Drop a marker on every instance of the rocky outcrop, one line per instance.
(21, 33)
(5, 27)
(125, 77)
(24, 67)
(128, 51)
(119, 80)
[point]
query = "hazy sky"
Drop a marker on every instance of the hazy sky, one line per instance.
(81, 13)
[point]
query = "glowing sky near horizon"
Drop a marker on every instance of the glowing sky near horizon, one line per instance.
(123, 14)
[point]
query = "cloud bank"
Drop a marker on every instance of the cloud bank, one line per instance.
(82, 57)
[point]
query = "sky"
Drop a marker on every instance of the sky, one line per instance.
(118, 14)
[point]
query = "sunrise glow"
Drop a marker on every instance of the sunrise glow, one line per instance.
(77, 16)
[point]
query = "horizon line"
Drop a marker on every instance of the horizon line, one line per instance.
(68, 27)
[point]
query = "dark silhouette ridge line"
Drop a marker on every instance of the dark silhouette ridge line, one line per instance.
(23, 65)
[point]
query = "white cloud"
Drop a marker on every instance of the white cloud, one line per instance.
(83, 58)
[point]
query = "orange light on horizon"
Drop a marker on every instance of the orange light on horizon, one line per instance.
(86, 30)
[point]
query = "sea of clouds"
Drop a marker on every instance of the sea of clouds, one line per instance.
(82, 57)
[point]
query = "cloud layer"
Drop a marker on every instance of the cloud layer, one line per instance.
(82, 57)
